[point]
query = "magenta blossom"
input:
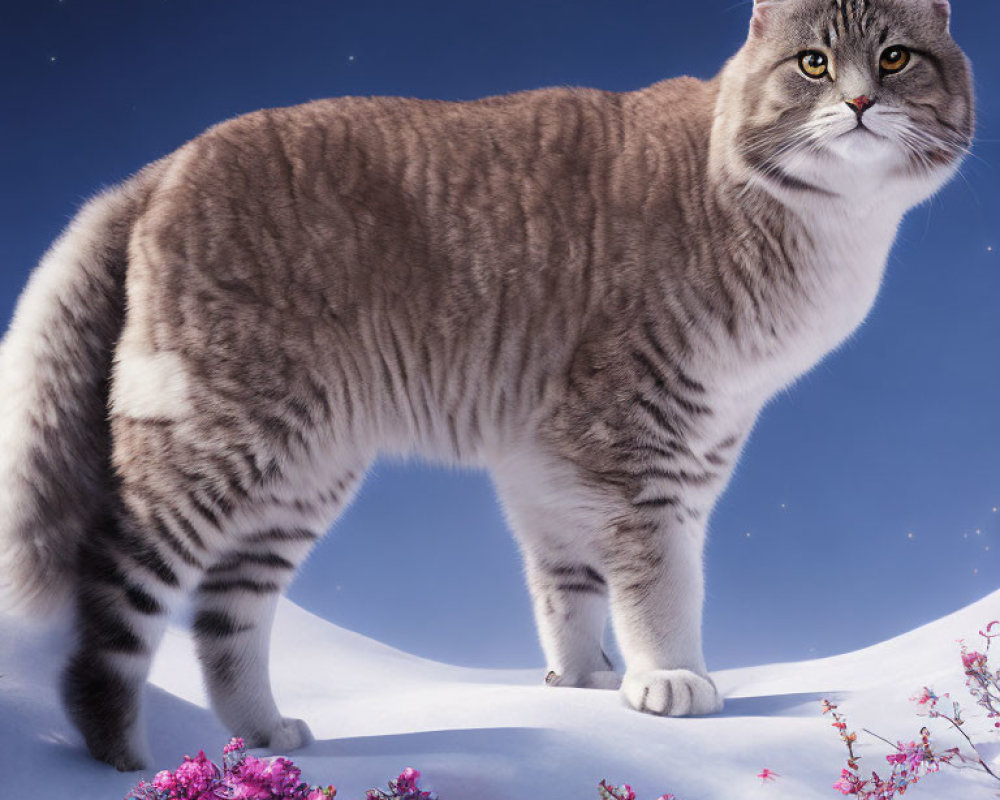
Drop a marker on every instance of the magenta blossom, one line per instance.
(911, 754)
(973, 661)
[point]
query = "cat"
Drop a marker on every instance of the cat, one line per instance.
(590, 294)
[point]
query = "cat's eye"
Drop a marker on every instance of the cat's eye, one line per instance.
(814, 63)
(894, 59)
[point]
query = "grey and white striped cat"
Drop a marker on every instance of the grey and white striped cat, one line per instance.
(589, 294)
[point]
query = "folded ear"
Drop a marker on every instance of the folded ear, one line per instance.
(942, 7)
(761, 11)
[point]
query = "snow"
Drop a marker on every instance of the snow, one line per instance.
(501, 735)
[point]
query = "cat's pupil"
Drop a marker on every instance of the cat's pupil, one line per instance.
(816, 60)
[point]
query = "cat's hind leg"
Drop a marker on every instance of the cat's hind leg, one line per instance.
(183, 497)
(235, 606)
(130, 577)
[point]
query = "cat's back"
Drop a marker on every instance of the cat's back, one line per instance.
(346, 204)
(344, 145)
(362, 179)
(435, 153)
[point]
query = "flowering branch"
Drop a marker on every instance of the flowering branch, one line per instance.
(910, 762)
(914, 760)
(983, 684)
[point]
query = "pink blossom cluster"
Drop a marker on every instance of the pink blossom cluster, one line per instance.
(402, 788)
(914, 760)
(192, 779)
(242, 777)
(983, 684)
(245, 777)
(608, 792)
(910, 762)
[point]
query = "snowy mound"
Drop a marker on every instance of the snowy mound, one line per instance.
(501, 735)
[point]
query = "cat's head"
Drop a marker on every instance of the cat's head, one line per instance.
(827, 92)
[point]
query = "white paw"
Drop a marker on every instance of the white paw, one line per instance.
(290, 735)
(671, 693)
(287, 735)
(601, 679)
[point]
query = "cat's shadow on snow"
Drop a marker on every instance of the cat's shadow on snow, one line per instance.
(171, 720)
(538, 756)
(534, 741)
(176, 728)
(468, 741)
(795, 704)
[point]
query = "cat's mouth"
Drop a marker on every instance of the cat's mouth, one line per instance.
(861, 144)
(862, 132)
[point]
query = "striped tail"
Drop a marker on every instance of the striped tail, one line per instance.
(55, 361)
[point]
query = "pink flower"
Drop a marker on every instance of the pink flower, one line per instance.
(408, 778)
(973, 661)
(926, 696)
(618, 793)
(236, 743)
(850, 783)
(190, 780)
(245, 777)
(915, 754)
(259, 779)
(164, 781)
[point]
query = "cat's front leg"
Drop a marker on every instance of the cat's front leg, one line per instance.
(568, 591)
(656, 583)
(571, 611)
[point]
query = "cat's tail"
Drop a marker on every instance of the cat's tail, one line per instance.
(55, 362)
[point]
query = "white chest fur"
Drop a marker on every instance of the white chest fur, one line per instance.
(838, 280)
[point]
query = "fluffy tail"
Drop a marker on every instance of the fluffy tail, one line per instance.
(55, 363)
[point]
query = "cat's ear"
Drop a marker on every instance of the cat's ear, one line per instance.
(762, 9)
(943, 8)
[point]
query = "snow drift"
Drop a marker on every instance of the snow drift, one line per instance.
(501, 735)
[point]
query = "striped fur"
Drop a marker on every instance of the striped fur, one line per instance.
(54, 439)
(590, 294)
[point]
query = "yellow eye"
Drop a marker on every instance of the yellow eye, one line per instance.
(814, 63)
(894, 59)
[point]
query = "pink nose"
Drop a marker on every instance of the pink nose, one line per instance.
(861, 104)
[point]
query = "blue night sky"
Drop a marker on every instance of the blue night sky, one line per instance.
(866, 501)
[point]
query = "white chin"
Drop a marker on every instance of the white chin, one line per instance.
(863, 148)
